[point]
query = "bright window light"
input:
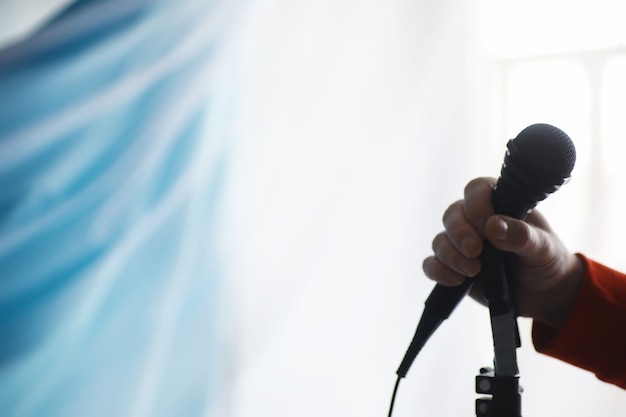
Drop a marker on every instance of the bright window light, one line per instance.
(513, 28)
(613, 111)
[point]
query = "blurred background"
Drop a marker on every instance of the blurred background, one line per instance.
(350, 127)
(360, 123)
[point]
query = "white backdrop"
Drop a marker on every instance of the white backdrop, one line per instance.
(360, 121)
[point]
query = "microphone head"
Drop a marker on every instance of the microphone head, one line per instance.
(537, 162)
(545, 151)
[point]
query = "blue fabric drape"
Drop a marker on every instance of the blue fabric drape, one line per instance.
(113, 149)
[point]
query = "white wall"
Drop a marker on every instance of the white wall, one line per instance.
(360, 121)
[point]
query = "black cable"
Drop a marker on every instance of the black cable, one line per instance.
(393, 397)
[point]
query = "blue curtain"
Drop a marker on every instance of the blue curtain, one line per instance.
(113, 150)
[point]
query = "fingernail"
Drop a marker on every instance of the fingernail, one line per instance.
(502, 230)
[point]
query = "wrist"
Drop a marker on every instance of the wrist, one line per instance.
(558, 301)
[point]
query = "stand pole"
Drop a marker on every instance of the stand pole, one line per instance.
(502, 382)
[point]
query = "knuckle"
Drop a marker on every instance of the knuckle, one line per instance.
(478, 186)
(452, 212)
(441, 273)
(477, 207)
(428, 267)
(440, 244)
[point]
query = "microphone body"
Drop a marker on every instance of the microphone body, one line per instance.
(537, 162)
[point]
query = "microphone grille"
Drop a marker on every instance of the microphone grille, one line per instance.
(546, 151)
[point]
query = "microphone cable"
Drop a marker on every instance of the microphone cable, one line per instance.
(393, 396)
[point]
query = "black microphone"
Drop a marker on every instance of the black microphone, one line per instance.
(537, 162)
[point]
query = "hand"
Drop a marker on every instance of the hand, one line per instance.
(545, 274)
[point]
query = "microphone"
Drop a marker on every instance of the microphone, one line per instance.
(536, 163)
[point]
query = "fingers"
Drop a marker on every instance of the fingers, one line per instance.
(457, 249)
(516, 236)
(441, 272)
(477, 206)
(460, 232)
(449, 266)
(524, 238)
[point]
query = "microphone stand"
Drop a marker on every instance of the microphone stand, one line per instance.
(501, 382)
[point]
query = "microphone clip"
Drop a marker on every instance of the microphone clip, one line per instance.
(502, 381)
(505, 395)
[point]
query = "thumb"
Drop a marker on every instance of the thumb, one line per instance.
(516, 236)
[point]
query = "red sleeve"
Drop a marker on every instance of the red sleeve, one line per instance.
(594, 337)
